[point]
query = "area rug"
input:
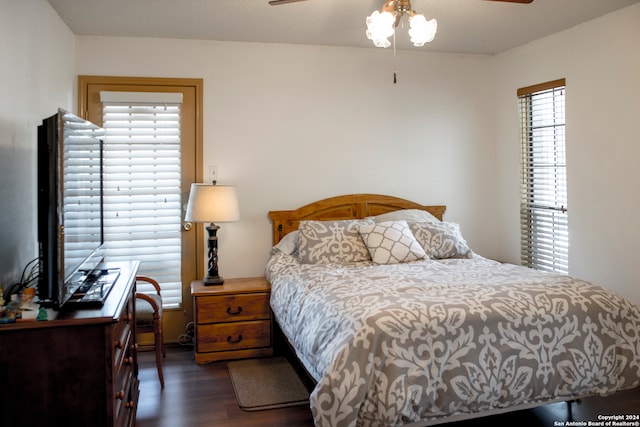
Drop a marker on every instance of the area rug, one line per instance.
(261, 384)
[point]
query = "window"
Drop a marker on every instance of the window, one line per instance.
(142, 197)
(543, 207)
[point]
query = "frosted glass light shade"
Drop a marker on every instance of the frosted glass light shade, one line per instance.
(421, 30)
(380, 28)
(212, 203)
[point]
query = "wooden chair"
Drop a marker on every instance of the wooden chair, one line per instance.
(149, 319)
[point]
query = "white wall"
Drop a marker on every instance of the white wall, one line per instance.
(292, 124)
(601, 63)
(37, 75)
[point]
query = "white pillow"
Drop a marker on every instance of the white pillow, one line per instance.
(288, 244)
(391, 242)
(409, 215)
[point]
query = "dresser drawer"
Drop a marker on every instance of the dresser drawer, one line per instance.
(125, 398)
(233, 336)
(232, 308)
(121, 340)
(124, 365)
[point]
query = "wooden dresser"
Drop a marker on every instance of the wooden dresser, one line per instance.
(232, 321)
(79, 369)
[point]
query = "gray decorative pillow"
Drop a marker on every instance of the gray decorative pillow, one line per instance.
(409, 215)
(441, 239)
(391, 242)
(323, 242)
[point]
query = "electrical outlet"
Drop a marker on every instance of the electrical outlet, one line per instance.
(214, 173)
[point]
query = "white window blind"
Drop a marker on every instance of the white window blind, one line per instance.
(142, 198)
(543, 208)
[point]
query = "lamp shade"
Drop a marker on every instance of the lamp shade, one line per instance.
(212, 203)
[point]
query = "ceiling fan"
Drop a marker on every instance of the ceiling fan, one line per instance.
(279, 2)
(381, 24)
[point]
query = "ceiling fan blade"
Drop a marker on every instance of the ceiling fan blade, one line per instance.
(277, 2)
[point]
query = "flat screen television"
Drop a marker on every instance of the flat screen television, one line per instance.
(70, 205)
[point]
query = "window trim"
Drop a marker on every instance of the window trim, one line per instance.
(530, 90)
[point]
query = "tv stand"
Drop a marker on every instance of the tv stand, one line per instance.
(78, 369)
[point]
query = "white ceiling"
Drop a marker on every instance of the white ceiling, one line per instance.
(464, 26)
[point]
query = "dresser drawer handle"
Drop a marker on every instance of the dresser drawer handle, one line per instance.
(234, 313)
(232, 341)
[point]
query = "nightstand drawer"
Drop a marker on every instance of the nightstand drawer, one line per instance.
(232, 308)
(233, 336)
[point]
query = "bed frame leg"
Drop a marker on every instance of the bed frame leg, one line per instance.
(570, 408)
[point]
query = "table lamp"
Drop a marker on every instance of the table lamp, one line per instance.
(212, 203)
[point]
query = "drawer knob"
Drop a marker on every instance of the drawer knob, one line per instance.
(234, 313)
(120, 395)
(230, 340)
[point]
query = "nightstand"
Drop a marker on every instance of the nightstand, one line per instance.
(232, 321)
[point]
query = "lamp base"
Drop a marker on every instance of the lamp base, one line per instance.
(212, 278)
(212, 281)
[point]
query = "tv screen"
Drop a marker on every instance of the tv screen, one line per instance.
(70, 209)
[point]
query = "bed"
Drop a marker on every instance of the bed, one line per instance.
(399, 322)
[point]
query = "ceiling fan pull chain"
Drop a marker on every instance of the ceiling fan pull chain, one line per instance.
(395, 76)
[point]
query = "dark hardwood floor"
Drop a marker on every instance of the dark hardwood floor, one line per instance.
(202, 395)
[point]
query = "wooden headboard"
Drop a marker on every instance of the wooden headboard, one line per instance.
(352, 206)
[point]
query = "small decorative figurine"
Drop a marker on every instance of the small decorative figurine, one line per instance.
(42, 315)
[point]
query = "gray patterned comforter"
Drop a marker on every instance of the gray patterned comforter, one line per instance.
(395, 344)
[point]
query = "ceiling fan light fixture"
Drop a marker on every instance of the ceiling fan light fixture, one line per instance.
(380, 28)
(382, 24)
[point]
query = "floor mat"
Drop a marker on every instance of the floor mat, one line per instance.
(269, 383)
